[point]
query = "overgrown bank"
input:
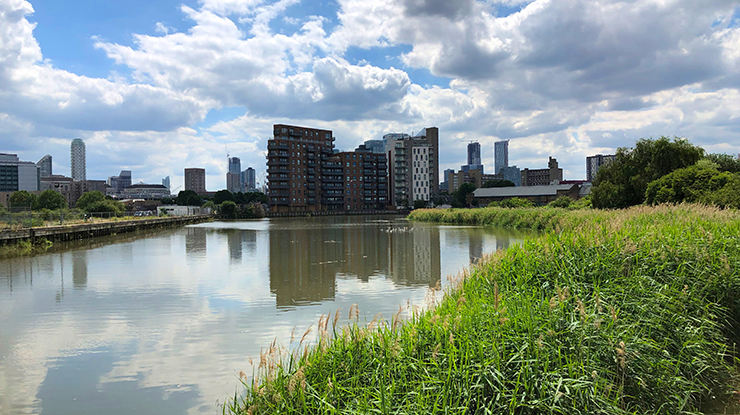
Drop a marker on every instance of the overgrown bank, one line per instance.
(616, 312)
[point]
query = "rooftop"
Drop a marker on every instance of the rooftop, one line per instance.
(522, 191)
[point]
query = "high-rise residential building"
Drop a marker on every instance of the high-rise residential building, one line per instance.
(542, 177)
(250, 180)
(77, 160)
(594, 162)
(44, 166)
(365, 180)
(166, 182)
(500, 155)
(300, 169)
(234, 175)
(195, 180)
(413, 166)
(18, 175)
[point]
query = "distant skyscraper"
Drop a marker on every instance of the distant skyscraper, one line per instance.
(233, 176)
(166, 183)
(45, 166)
(250, 181)
(474, 153)
(500, 155)
(195, 180)
(77, 159)
(473, 158)
(235, 165)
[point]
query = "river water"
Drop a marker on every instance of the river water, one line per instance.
(162, 323)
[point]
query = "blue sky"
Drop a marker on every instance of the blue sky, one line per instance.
(158, 86)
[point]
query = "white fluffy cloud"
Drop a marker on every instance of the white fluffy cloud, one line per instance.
(564, 78)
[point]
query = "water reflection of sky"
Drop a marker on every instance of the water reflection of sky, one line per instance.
(162, 323)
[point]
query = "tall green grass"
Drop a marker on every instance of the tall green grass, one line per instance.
(628, 312)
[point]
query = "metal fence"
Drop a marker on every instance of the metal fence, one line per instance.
(22, 217)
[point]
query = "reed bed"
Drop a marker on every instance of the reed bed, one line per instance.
(620, 312)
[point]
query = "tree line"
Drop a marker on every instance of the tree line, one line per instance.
(662, 170)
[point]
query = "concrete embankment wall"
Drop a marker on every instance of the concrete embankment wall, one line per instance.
(335, 213)
(90, 230)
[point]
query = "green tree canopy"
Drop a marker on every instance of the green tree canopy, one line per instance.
(188, 198)
(498, 183)
(725, 162)
(51, 199)
(21, 200)
(695, 184)
(623, 182)
(88, 198)
(459, 196)
(221, 196)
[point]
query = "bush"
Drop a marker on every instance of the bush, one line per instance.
(105, 206)
(690, 184)
(561, 202)
(227, 210)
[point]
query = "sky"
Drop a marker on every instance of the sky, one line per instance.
(158, 86)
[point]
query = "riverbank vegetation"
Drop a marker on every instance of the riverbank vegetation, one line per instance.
(611, 312)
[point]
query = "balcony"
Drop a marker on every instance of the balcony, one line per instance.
(333, 201)
(276, 145)
(277, 162)
(279, 185)
(272, 170)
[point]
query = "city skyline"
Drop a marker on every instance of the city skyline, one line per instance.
(350, 68)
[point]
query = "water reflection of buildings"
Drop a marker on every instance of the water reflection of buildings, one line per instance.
(79, 269)
(240, 241)
(195, 242)
(304, 262)
(415, 257)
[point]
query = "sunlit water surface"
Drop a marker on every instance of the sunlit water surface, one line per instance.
(162, 323)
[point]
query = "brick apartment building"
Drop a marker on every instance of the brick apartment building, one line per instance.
(305, 174)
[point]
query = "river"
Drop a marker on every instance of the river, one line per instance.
(162, 323)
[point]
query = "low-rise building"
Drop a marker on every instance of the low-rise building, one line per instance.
(455, 180)
(146, 191)
(539, 195)
(543, 177)
(176, 210)
(18, 175)
(61, 184)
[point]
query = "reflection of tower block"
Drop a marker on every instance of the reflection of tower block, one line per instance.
(426, 255)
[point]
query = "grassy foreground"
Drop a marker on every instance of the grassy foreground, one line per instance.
(616, 312)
